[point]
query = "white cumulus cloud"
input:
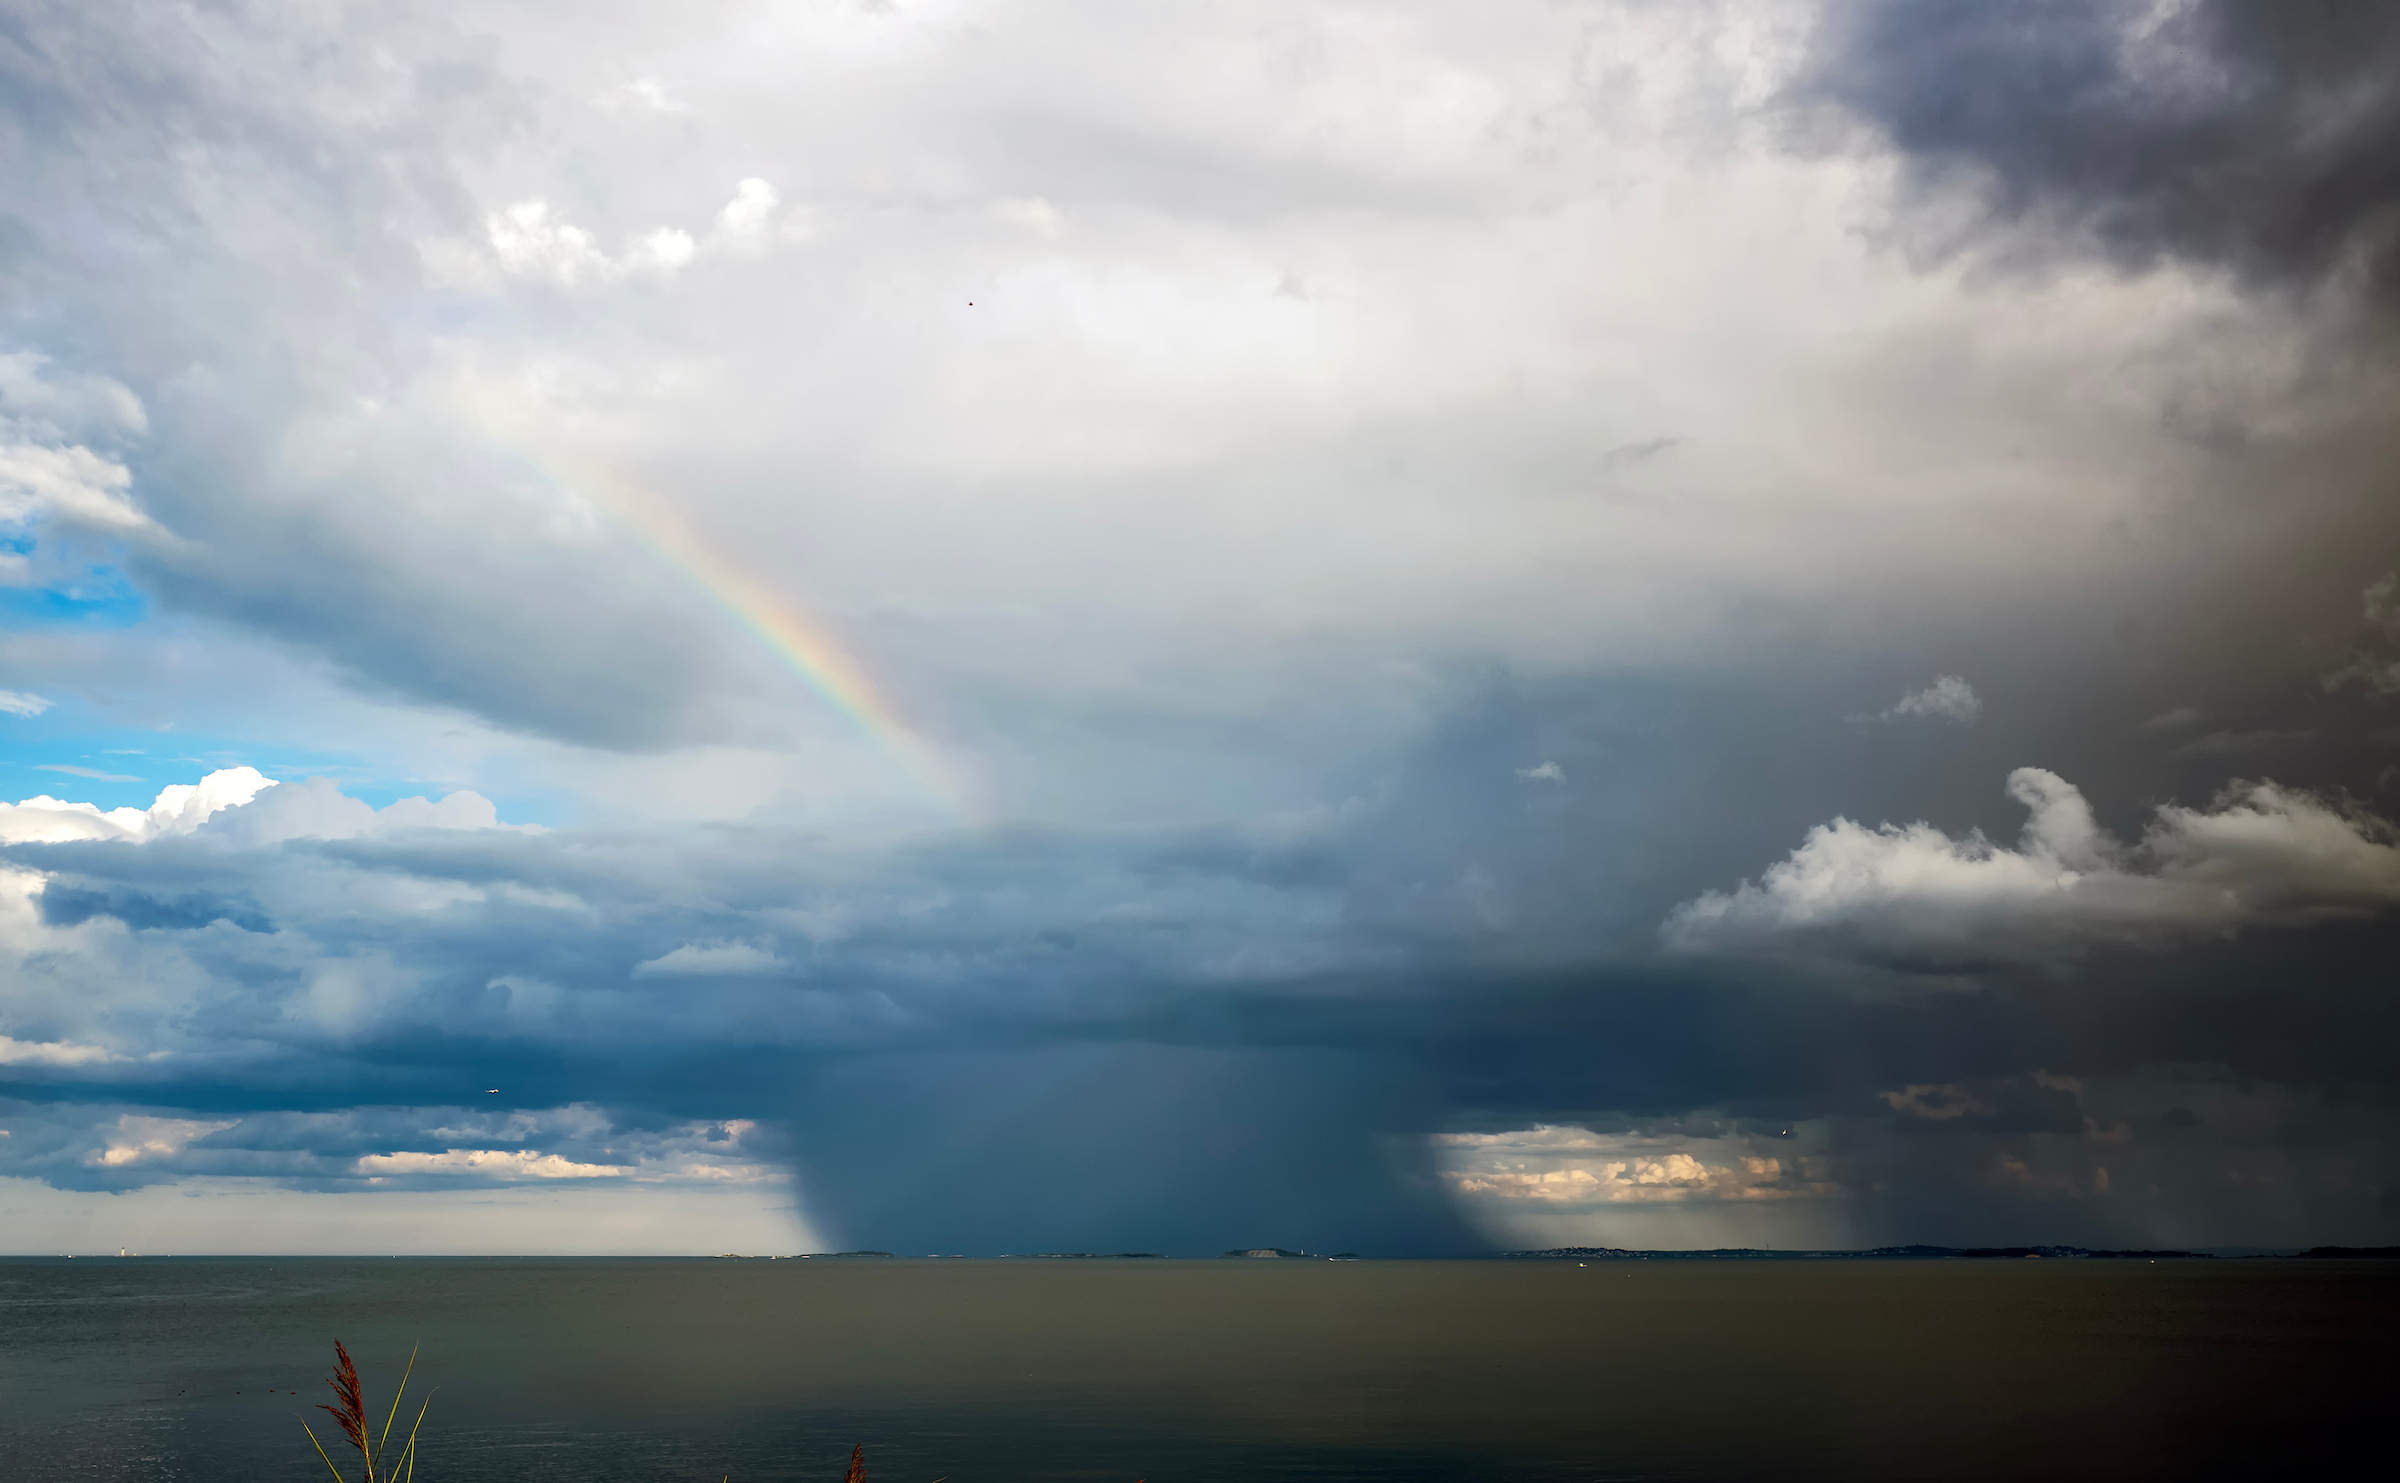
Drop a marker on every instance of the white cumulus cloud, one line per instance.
(742, 224)
(713, 959)
(18, 703)
(71, 482)
(318, 809)
(489, 1163)
(2261, 855)
(315, 809)
(50, 1053)
(180, 809)
(1568, 1166)
(533, 240)
(1948, 698)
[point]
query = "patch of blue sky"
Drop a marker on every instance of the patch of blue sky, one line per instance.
(61, 754)
(516, 807)
(100, 598)
(528, 802)
(56, 744)
(64, 756)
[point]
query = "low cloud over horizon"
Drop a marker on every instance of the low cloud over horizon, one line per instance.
(983, 627)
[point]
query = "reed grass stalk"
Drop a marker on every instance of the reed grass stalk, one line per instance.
(376, 1464)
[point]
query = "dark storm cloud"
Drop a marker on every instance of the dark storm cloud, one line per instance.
(2257, 139)
(2255, 135)
(1172, 1038)
(1131, 1144)
(1177, 1038)
(62, 905)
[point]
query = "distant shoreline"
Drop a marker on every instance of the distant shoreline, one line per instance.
(1946, 1253)
(1916, 1253)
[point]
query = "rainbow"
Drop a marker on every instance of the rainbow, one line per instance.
(804, 643)
(801, 641)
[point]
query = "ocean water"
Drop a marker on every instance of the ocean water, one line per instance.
(598, 1370)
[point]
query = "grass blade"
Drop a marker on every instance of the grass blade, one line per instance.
(320, 1446)
(412, 1430)
(384, 1445)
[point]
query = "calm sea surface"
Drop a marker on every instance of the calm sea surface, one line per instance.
(595, 1370)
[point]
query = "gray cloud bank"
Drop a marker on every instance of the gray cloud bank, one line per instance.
(2249, 134)
(1167, 1037)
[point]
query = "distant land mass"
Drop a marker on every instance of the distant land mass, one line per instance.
(1273, 1251)
(1913, 1253)
(1877, 1253)
(1726, 1253)
(2354, 1253)
(817, 1255)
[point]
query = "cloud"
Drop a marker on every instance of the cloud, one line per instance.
(1937, 1103)
(2241, 743)
(2247, 134)
(1911, 895)
(45, 472)
(1948, 698)
(213, 1215)
(388, 1148)
(2379, 604)
(1547, 772)
(1033, 214)
(70, 483)
(2377, 673)
(426, 493)
(18, 703)
(85, 772)
(318, 809)
(1573, 1166)
(743, 223)
(179, 809)
(236, 803)
(50, 1053)
(531, 240)
(719, 959)
(56, 404)
(488, 1163)
(184, 807)
(1038, 998)
(141, 1139)
(647, 94)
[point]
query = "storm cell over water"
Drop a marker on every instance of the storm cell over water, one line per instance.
(989, 626)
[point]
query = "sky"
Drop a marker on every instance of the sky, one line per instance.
(978, 626)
